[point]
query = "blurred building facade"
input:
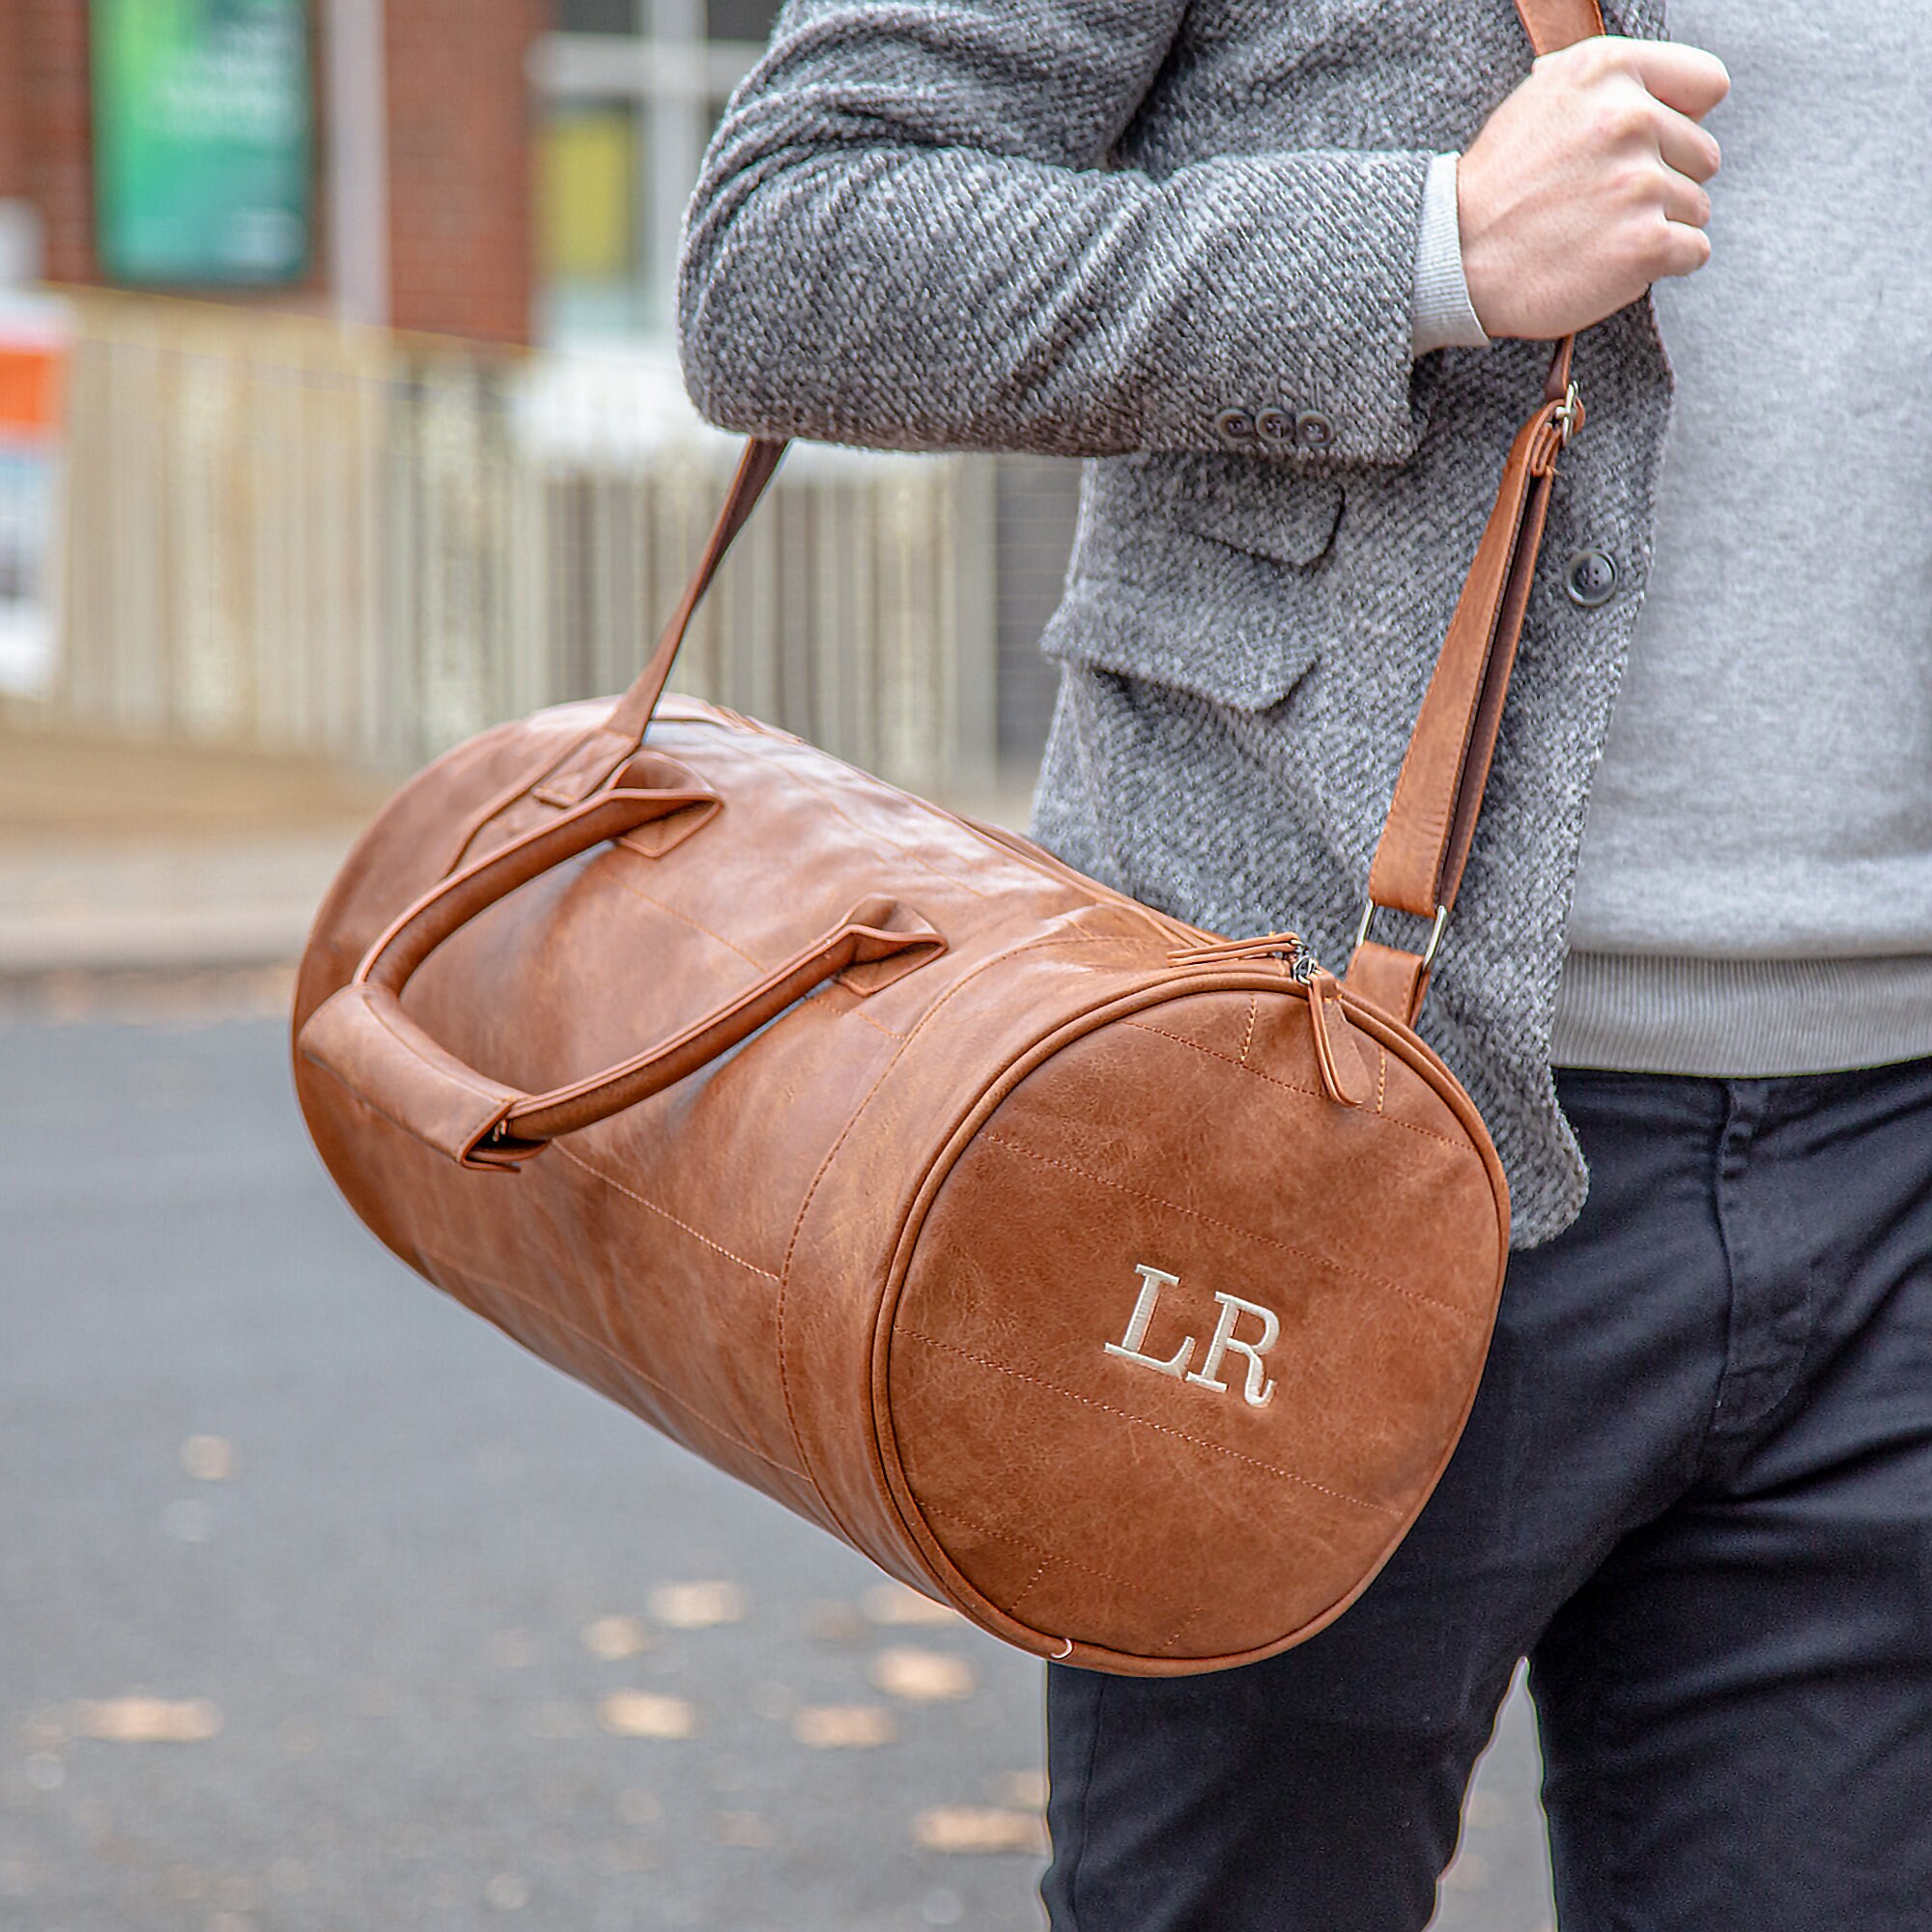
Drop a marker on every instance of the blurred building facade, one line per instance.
(204, 507)
(361, 158)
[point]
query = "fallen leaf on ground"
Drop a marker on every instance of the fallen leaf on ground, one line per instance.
(507, 1892)
(645, 1714)
(143, 1721)
(892, 1604)
(207, 1458)
(843, 1726)
(979, 1828)
(614, 1638)
(696, 1605)
(922, 1676)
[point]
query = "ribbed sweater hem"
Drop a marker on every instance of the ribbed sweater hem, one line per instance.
(1741, 1019)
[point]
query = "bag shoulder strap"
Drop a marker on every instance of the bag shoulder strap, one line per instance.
(1438, 793)
(1432, 821)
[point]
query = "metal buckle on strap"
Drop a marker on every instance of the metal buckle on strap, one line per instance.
(1569, 416)
(1369, 912)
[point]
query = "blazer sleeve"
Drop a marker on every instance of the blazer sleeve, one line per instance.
(906, 235)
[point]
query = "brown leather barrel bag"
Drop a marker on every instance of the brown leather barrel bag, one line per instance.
(1124, 1286)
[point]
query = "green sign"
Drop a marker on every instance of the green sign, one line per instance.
(202, 132)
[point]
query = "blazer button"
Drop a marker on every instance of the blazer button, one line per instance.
(1276, 425)
(1590, 577)
(1236, 425)
(1312, 430)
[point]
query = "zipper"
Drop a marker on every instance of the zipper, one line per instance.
(1302, 964)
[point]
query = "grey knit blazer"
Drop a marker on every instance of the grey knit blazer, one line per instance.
(1177, 238)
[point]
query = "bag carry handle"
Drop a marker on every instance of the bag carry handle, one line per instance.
(363, 1036)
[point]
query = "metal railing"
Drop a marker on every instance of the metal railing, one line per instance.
(280, 534)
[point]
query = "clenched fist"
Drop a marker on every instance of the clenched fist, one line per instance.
(1586, 184)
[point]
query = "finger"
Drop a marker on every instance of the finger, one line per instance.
(1684, 145)
(1683, 251)
(1683, 201)
(1685, 78)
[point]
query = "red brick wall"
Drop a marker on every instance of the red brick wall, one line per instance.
(13, 105)
(459, 129)
(459, 168)
(44, 126)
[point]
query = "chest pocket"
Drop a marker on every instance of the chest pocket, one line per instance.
(1206, 574)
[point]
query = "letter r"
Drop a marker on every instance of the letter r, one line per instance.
(1258, 1390)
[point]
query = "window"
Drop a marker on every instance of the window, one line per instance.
(628, 92)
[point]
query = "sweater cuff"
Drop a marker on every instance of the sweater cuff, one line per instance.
(1441, 316)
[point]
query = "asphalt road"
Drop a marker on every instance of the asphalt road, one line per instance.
(322, 1608)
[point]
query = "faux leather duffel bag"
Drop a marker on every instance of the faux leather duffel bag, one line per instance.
(1123, 1285)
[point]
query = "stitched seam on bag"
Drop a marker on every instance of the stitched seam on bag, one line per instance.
(851, 1120)
(858, 1013)
(617, 1361)
(1169, 1643)
(1141, 1422)
(1274, 1080)
(1233, 1227)
(1020, 1539)
(1013, 1540)
(610, 1181)
(1381, 1075)
(1248, 1038)
(1012, 1535)
(685, 918)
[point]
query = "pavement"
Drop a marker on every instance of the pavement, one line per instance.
(324, 1609)
(140, 858)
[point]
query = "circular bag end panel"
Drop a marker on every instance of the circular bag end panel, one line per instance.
(1184, 1345)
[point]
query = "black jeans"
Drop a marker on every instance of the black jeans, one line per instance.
(1695, 1490)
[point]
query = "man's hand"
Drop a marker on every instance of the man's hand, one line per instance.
(1585, 186)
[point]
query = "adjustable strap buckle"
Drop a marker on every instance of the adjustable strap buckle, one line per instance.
(1369, 912)
(1568, 419)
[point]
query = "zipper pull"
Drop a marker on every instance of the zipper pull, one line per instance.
(1286, 946)
(1338, 1050)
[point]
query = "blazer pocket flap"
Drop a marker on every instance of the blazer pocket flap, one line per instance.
(1256, 507)
(1202, 573)
(1247, 662)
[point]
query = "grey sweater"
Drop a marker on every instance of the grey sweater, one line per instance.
(1178, 238)
(1727, 920)
(1754, 895)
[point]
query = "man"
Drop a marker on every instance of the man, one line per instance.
(1226, 251)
